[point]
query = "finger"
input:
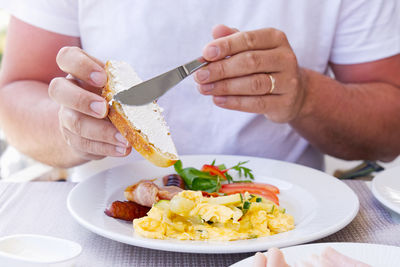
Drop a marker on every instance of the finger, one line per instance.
(90, 156)
(256, 84)
(260, 260)
(242, 64)
(334, 257)
(253, 104)
(66, 93)
(221, 30)
(76, 62)
(86, 86)
(91, 128)
(276, 258)
(94, 147)
(262, 39)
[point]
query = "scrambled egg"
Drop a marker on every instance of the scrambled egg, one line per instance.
(190, 216)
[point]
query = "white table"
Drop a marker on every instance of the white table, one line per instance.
(40, 208)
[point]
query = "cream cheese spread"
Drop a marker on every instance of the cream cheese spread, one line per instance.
(147, 118)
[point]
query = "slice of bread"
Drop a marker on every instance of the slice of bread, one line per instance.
(143, 126)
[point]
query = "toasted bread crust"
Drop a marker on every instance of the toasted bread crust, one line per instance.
(138, 141)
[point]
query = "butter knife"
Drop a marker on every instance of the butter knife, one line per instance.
(150, 90)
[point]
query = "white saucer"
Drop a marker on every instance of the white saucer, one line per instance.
(37, 250)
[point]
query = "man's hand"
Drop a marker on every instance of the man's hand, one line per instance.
(82, 111)
(238, 75)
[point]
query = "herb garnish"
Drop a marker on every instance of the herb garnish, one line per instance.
(243, 170)
(198, 180)
(206, 180)
(245, 207)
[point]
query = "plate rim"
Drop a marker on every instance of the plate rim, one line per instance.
(332, 244)
(203, 250)
(377, 194)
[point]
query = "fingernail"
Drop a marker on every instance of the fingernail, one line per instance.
(99, 108)
(98, 78)
(206, 88)
(202, 75)
(121, 139)
(120, 150)
(219, 100)
(211, 52)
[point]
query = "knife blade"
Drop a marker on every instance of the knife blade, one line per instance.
(150, 90)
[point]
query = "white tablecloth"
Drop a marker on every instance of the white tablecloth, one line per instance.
(40, 208)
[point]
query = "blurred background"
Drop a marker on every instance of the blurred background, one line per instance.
(16, 167)
(3, 28)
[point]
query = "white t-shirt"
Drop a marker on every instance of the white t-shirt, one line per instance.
(155, 36)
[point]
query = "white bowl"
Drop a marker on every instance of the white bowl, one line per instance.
(37, 250)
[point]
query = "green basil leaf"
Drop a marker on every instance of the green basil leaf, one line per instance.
(204, 184)
(189, 174)
(222, 167)
(198, 180)
(178, 166)
(198, 173)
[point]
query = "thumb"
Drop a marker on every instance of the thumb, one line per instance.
(221, 30)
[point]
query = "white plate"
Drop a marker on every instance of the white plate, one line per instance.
(386, 188)
(372, 254)
(320, 204)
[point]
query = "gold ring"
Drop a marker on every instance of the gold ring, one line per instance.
(272, 83)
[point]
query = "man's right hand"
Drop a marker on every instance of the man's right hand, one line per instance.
(82, 113)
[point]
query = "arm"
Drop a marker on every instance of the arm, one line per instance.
(354, 117)
(33, 122)
(25, 75)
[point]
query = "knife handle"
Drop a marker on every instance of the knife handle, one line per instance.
(194, 65)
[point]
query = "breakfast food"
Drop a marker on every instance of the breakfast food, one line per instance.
(191, 216)
(126, 210)
(143, 126)
(141, 196)
(175, 180)
(147, 193)
(219, 205)
(214, 178)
